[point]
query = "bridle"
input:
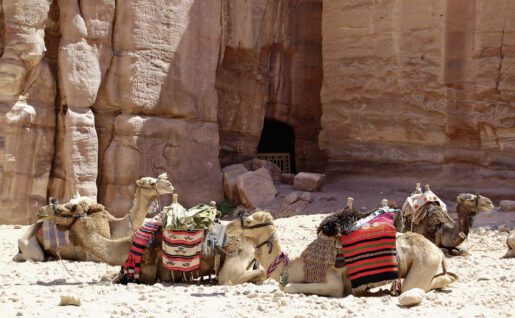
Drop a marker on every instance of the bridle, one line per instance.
(74, 216)
(269, 241)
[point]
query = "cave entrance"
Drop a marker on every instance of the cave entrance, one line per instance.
(277, 144)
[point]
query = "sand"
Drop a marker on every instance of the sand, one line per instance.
(486, 287)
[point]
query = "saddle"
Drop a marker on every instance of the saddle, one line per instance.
(185, 237)
(366, 247)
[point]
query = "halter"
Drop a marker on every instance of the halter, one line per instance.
(269, 241)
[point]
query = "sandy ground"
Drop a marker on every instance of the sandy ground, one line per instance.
(486, 287)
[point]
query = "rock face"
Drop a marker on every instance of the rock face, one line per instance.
(95, 94)
(417, 81)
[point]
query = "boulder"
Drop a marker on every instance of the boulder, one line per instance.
(273, 169)
(507, 205)
(291, 198)
(231, 174)
(308, 181)
(287, 178)
(256, 188)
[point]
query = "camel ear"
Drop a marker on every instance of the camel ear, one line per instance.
(163, 176)
(140, 183)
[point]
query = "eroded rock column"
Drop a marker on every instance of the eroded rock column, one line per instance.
(27, 94)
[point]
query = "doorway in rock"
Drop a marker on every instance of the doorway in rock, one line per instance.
(277, 138)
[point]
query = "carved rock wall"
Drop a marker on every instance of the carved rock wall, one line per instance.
(420, 81)
(270, 67)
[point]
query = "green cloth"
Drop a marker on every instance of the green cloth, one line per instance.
(199, 217)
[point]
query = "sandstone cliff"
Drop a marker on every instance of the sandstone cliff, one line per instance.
(94, 94)
(421, 85)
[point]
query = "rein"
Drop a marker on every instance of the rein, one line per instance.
(283, 257)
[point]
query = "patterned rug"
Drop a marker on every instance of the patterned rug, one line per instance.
(181, 249)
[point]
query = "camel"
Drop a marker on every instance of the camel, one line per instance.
(419, 262)
(84, 232)
(437, 226)
(147, 191)
(510, 241)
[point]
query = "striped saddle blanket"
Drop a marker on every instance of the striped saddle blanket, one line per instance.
(181, 249)
(53, 238)
(143, 238)
(369, 253)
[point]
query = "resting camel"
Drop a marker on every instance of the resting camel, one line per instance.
(439, 228)
(147, 191)
(84, 232)
(419, 261)
(510, 241)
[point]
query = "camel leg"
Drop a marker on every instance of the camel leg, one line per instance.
(444, 280)
(257, 275)
(29, 248)
(333, 287)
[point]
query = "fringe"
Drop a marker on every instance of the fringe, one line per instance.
(363, 288)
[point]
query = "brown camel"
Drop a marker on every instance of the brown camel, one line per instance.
(84, 232)
(147, 191)
(510, 241)
(436, 224)
(419, 264)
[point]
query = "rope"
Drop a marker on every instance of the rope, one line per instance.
(66, 268)
(283, 257)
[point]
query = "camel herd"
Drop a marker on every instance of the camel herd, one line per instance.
(96, 235)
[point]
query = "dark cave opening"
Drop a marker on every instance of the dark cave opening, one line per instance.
(276, 138)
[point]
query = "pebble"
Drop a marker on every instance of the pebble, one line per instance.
(261, 308)
(251, 295)
(19, 313)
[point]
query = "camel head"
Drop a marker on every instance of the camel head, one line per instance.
(55, 213)
(156, 187)
(475, 201)
(256, 227)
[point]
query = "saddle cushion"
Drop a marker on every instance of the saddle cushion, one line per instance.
(181, 249)
(369, 254)
(53, 237)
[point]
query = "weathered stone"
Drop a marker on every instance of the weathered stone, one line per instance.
(291, 198)
(231, 174)
(306, 196)
(273, 169)
(308, 181)
(287, 178)
(256, 188)
(507, 205)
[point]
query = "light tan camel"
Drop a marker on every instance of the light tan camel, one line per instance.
(437, 225)
(510, 241)
(419, 264)
(85, 234)
(147, 191)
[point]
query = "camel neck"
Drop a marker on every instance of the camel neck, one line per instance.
(266, 258)
(139, 208)
(465, 217)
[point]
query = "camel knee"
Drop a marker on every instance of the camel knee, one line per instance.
(411, 297)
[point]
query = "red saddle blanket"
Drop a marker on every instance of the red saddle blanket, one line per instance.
(369, 254)
(182, 249)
